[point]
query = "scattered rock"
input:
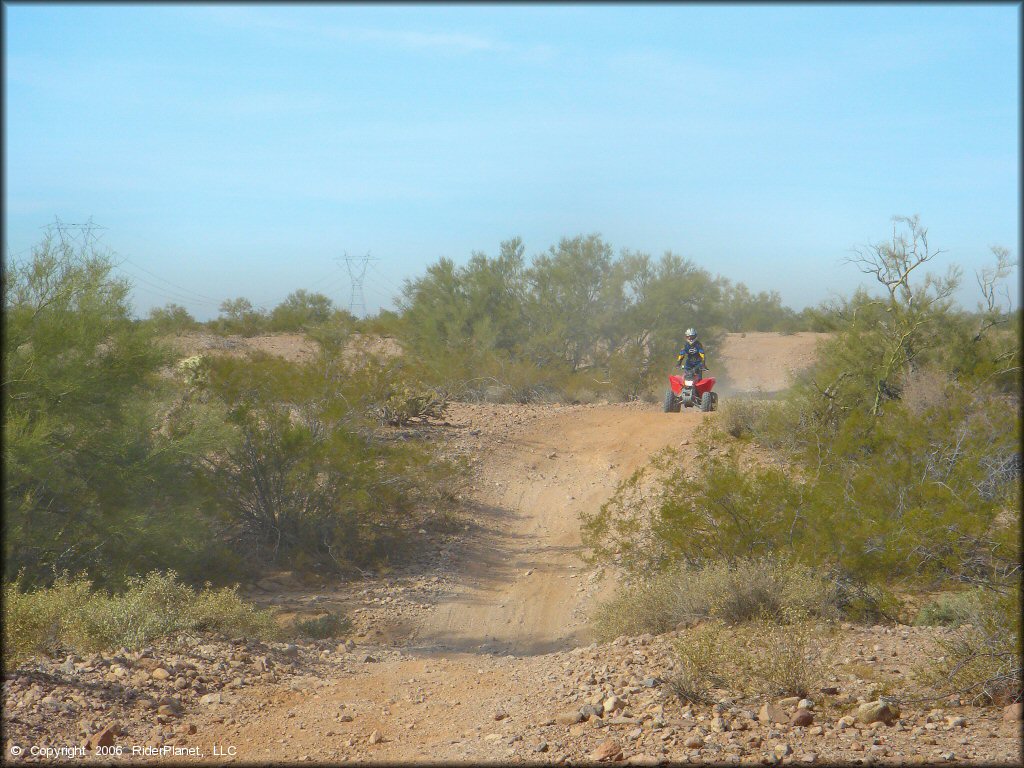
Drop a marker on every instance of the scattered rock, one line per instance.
(103, 738)
(772, 713)
(159, 673)
(375, 737)
(608, 749)
(878, 711)
(568, 718)
(694, 741)
(802, 717)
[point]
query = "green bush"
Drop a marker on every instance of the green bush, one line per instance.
(72, 615)
(324, 627)
(981, 662)
(702, 664)
(96, 479)
(763, 656)
(741, 591)
(950, 610)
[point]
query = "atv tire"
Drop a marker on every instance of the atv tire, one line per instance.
(670, 405)
(707, 402)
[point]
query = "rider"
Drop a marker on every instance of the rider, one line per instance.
(691, 356)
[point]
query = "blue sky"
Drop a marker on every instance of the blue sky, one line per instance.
(239, 150)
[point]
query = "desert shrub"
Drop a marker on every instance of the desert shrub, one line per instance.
(981, 661)
(404, 403)
(171, 318)
(701, 664)
(94, 482)
(780, 659)
(72, 615)
(310, 482)
(733, 592)
(763, 656)
(300, 309)
(324, 627)
(950, 610)
(241, 317)
(743, 417)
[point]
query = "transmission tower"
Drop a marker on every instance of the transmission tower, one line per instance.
(356, 267)
(84, 235)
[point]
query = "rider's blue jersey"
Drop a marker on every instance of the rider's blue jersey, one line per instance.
(691, 355)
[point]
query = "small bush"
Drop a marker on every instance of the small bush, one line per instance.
(745, 590)
(324, 627)
(72, 615)
(780, 659)
(405, 404)
(743, 417)
(765, 656)
(949, 610)
(981, 662)
(701, 664)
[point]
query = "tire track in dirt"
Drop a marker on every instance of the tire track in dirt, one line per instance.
(522, 584)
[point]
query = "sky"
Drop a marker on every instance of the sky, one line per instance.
(235, 150)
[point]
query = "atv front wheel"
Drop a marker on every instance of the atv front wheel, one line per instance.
(670, 405)
(707, 402)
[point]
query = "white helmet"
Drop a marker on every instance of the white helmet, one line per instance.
(691, 334)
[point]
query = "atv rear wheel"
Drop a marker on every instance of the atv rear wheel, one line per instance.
(670, 405)
(707, 402)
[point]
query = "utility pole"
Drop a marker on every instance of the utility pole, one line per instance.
(356, 267)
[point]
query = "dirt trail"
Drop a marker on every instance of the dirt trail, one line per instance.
(522, 594)
(523, 587)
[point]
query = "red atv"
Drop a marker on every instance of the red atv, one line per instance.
(688, 392)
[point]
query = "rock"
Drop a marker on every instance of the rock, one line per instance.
(542, 747)
(570, 717)
(159, 673)
(500, 715)
(211, 698)
(612, 703)
(772, 713)
(644, 760)
(878, 711)
(375, 737)
(782, 750)
(1013, 713)
(718, 725)
(802, 717)
(809, 757)
(789, 701)
(694, 741)
(290, 650)
(830, 690)
(368, 659)
(104, 737)
(608, 749)
(805, 704)
(168, 710)
(957, 722)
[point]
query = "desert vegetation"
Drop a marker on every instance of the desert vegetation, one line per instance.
(892, 466)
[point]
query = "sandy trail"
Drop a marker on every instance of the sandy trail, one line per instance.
(523, 588)
(483, 648)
